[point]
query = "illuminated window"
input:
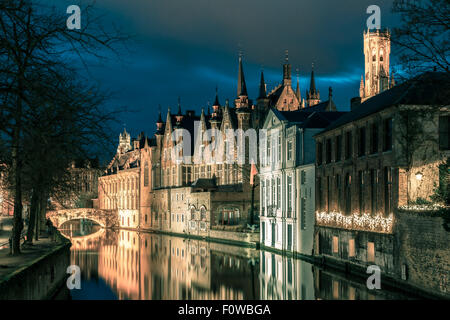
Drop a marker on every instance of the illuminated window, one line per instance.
(370, 252)
(335, 289)
(335, 244)
(203, 213)
(351, 248)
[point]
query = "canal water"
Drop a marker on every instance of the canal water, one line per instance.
(125, 264)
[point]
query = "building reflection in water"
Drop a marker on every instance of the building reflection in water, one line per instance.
(154, 266)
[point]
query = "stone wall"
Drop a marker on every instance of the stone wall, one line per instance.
(384, 248)
(424, 250)
(41, 279)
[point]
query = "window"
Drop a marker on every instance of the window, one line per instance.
(279, 147)
(338, 192)
(268, 150)
(387, 190)
(319, 153)
(303, 177)
(146, 173)
(273, 192)
(203, 213)
(444, 133)
(303, 213)
(289, 195)
(263, 196)
(387, 134)
(338, 150)
(348, 145)
(362, 142)
(335, 244)
(289, 150)
(192, 213)
(319, 193)
(348, 194)
(328, 151)
(328, 193)
(370, 252)
(374, 138)
(278, 192)
(373, 191)
(351, 247)
(361, 191)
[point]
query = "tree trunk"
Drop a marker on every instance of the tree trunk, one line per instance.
(33, 214)
(41, 215)
(16, 167)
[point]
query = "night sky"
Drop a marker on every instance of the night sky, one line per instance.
(188, 47)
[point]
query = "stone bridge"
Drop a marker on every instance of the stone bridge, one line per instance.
(105, 218)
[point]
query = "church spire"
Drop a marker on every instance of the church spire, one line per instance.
(179, 106)
(297, 91)
(330, 106)
(262, 87)
(313, 95)
(312, 85)
(216, 101)
(242, 88)
(287, 71)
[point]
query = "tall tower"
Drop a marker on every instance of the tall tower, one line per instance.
(377, 48)
(313, 95)
(124, 142)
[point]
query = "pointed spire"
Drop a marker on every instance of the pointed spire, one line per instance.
(297, 91)
(179, 107)
(312, 85)
(216, 101)
(242, 88)
(287, 71)
(159, 122)
(262, 87)
(331, 106)
(202, 116)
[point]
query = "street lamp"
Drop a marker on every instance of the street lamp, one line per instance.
(419, 176)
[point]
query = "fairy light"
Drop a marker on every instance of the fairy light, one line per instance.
(422, 207)
(356, 221)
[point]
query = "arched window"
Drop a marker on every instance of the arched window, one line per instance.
(203, 213)
(192, 213)
(146, 174)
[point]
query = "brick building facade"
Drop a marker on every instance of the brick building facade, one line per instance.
(383, 155)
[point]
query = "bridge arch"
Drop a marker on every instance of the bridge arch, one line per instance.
(105, 218)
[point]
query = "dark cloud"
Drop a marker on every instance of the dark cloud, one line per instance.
(188, 47)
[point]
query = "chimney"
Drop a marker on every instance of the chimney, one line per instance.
(354, 103)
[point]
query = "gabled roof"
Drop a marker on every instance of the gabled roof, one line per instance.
(204, 183)
(307, 119)
(430, 88)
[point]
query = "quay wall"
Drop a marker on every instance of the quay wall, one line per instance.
(40, 279)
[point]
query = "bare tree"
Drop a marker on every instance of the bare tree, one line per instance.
(35, 43)
(422, 38)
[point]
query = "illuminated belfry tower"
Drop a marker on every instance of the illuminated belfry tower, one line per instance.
(377, 48)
